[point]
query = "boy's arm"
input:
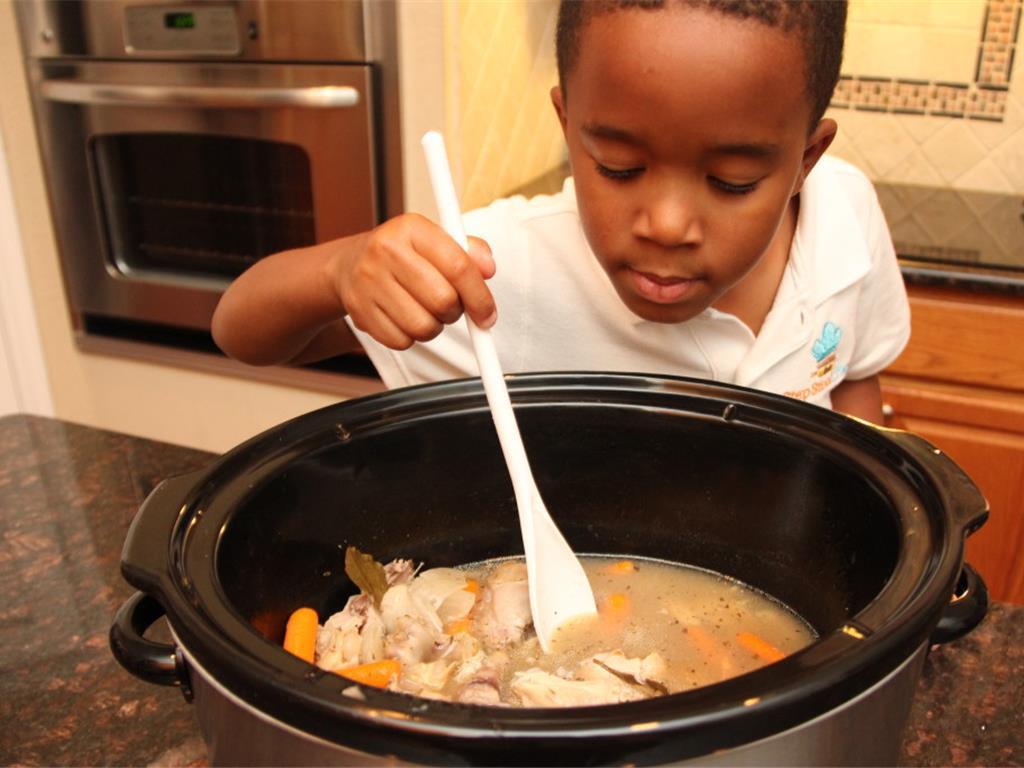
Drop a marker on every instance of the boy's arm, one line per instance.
(284, 309)
(861, 398)
(400, 283)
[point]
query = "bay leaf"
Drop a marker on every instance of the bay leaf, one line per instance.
(366, 573)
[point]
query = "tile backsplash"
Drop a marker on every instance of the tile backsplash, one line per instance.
(955, 226)
(931, 93)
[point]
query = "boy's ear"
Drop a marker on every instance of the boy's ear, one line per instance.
(558, 101)
(819, 140)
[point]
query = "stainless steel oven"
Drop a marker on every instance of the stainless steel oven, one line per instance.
(183, 141)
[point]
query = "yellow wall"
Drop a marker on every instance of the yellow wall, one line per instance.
(500, 69)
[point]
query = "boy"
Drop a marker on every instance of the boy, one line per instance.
(692, 239)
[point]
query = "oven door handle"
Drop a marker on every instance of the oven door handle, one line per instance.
(254, 97)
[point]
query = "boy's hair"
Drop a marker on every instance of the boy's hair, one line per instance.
(821, 25)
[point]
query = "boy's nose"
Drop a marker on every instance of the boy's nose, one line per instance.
(670, 221)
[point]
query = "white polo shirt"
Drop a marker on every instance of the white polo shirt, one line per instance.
(841, 311)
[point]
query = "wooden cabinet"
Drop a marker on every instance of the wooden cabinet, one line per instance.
(960, 385)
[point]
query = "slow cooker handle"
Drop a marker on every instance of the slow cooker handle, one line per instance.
(158, 663)
(965, 611)
(965, 500)
(969, 509)
(144, 556)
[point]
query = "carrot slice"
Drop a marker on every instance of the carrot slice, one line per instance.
(706, 645)
(300, 634)
(759, 646)
(472, 585)
(718, 660)
(375, 673)
(457, 626)
(621, 568)
(617, 605)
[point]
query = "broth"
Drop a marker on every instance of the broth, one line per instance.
(465, 634)
(695, 619)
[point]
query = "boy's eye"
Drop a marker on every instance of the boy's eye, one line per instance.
(732, 189)
(618, 173)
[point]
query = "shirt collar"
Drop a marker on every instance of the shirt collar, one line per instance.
(829, 251)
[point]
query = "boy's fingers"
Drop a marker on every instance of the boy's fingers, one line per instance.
(477, 301)
(423, 283)
(384, 330)
(462, 272)
(480, 252)
(433, 272)
(408, 314)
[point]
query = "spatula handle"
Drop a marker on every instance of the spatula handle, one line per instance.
(483, 344)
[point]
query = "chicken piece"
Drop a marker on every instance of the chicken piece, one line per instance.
(437, 597)
(397, 602)
(412, 641)
(470, 667)
(480, 679)
(354, 635)
(649, 671)
(444, 591)
(456, 606)
(606, 678)
(458, 648)
(537, 688)
(481, 692)
(502, 613)
(399, 572)
(426, 678)
(410, 614)
(511, 594)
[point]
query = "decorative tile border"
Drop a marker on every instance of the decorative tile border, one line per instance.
(937, 253)
(982, 99)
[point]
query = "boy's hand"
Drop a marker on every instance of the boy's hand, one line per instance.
(406, 279)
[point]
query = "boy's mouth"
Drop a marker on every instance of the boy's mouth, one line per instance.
(660, 290)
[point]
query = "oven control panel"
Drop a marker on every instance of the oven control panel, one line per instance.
(206, 29)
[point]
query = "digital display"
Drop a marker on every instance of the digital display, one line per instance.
(181, 20)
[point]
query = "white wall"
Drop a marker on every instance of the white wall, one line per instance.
(23, 383)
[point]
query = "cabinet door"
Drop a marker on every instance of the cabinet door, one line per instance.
(994, 459)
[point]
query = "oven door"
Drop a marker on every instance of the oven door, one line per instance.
(168, 179)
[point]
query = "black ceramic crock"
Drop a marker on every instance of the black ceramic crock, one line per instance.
(857, 528)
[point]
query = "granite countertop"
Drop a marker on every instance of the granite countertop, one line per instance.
(67, 496)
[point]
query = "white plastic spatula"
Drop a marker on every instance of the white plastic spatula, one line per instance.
(559, 589)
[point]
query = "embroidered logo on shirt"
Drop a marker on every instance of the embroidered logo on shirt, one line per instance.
(824, 349)
(828, 341)
(824, 352)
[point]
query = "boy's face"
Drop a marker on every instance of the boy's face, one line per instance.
(687, 136)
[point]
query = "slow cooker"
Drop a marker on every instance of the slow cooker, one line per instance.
(857, 528)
